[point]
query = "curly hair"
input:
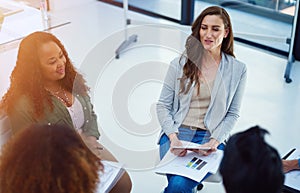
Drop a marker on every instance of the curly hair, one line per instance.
(43, 159)
(26, 78)
(194, 51)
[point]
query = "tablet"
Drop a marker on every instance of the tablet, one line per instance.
(191, 146)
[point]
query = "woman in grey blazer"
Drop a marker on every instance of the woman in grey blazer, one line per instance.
(201, 96)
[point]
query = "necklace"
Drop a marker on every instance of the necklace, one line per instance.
(67, 101)
(54, 92)
(61, 95)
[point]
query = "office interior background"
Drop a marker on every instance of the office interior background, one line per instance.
(125, 86)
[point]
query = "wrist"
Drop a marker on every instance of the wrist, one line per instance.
(214, 143)
(172, 136)
(213, 140)
(293, 164)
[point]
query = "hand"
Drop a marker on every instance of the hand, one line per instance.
(176, 142)
(213, 144)
(92, 143)
(288, 165)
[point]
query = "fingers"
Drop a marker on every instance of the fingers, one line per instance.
(183, 153)
(92, 143)
(179, 152)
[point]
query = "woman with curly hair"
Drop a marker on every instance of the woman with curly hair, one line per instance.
(201, 96)
(45, 88)
(45, 159)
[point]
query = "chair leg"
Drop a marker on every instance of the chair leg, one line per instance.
(199, 187)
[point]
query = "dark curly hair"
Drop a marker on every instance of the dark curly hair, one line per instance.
(194, 51)
(26, 78)
(43, 159)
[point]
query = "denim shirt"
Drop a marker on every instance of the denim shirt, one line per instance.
(21, 118)
(226, 97)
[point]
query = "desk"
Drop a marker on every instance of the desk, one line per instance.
(20, 24)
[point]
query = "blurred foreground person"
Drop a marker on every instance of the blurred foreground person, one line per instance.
(250, 165)
(48, 159)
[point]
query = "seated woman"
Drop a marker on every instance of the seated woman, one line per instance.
(47, 159)
(45, 88)
(202, 93)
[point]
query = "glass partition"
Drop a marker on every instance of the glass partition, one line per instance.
(263, 23)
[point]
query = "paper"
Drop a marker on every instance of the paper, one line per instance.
(193, 165)
(111, 175)
(190, 145)
(292, 178)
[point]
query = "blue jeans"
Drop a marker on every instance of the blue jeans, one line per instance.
(180, 184)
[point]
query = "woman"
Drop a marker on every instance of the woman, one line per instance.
(45, 159)
(46, 89)
(201, 96)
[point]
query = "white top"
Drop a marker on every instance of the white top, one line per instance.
(76, 113)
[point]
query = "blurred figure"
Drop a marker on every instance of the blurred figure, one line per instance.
(48, 159)
(250, 165)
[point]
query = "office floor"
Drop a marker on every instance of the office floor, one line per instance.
(124, 90)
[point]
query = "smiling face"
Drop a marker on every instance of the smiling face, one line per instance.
(52, 61)
(212, 32)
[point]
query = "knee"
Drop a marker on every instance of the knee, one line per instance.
(127, 183)
(176, 187)
(180, 184)
(124, 185)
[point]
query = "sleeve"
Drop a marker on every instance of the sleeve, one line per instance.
(165, 103)
(91, 126)
(230, 119)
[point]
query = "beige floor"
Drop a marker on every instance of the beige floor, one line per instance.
(96, 30)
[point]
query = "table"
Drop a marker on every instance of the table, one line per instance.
(23, 22)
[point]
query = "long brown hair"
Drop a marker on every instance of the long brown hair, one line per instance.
(43, 159)
(26, 78)
(194, 51)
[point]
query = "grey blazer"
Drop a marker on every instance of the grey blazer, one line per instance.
(226, 98)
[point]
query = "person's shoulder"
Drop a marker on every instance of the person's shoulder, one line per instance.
(178, 61)
(235, 62)
(22, 105)
(22, 101)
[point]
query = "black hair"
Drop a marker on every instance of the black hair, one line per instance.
(250, 165)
